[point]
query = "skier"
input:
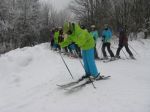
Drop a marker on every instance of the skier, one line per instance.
(60, 37)
(56, 40)
(86, 42)
(106, 38)
(123, 42)
(95, 35)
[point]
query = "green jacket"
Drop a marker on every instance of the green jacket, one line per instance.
(56, 36)
(81, 37)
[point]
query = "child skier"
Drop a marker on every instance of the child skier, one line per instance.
(86, 42)
(106, 38)
(56, 40)
(123, 42)
(94, 33)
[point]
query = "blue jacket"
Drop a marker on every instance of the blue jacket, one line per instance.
(107, 35)
(95, 35)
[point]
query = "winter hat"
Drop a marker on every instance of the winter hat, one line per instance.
(106, 25)
(68, 27)
(82, 26)
(92, 26)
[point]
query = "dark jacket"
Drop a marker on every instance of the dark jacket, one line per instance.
(51, 35)
(123, 40)
(61, 37)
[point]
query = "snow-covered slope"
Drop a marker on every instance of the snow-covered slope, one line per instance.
(28, 79)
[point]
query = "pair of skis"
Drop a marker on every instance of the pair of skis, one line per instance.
(76, 84)
(110, 60)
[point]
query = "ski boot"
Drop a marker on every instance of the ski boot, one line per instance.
(117, 57)
(132, 57)
(92, 78)
(84, 77)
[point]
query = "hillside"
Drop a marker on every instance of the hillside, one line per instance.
(28, 79)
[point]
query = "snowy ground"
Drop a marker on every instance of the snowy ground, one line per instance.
(28, 79)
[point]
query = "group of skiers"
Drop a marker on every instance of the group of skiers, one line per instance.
(76, 40)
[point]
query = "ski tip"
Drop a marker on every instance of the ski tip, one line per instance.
(105, 76)
(58, 85)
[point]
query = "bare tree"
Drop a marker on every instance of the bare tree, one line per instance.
(133, 15)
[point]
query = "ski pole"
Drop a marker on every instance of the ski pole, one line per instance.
(124, 54)
(92, 83)
(66, 65)
(133, 49)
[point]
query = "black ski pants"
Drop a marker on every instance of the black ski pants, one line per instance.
(126, 47)
(95, 52)
(108, 48)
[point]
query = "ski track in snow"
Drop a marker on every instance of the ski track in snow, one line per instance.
(28, 79)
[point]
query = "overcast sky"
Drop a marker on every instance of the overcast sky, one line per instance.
(59, 4)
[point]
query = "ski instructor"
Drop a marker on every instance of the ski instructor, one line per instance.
(85, 41)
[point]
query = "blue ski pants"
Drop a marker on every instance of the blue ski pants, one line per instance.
(89, 62)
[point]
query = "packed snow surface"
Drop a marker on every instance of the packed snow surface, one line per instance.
(28, 79)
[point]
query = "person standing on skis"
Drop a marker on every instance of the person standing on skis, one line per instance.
(56, 40)
(106, 39)
(86, 42)
(95, 35)
(123, 42)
